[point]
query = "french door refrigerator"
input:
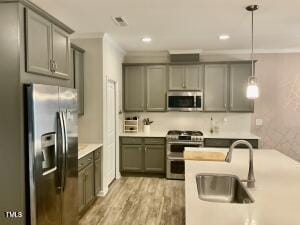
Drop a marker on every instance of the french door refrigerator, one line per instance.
(52, 155)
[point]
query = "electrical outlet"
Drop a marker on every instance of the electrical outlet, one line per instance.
(225, 120)
(259, 122)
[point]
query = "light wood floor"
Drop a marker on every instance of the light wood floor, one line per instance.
(139, 201)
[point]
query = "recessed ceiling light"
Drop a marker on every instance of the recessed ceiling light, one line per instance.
(224, 37)
(146, 39)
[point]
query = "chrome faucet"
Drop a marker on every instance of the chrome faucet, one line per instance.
(251, 180)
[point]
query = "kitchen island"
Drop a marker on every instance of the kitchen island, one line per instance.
(276, 193)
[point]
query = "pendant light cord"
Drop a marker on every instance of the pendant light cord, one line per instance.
(252, 43)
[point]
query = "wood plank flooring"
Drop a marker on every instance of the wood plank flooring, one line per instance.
(139, 201)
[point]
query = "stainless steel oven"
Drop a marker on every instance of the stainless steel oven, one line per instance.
(175, 159)
(185, 101)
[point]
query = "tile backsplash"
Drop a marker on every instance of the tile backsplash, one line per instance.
(227, 122)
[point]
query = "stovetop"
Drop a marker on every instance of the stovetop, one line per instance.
(185, 133)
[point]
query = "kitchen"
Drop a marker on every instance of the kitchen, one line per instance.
(156, 104)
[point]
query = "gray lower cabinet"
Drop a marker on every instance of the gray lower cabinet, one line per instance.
(89, 184)
(239, 74)
(78, 73)
(97, 175)
(132, 158)
(225, 143)
(81, 190)
(185, 77)
(156, 86)
(134, 88)
(143, 155)
(89, 179)
(47, 47)
(215, 87)
(155, 158)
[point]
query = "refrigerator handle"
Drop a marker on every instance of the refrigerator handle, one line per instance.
(65, 149)
(62, 141)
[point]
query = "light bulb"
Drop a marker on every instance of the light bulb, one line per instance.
(252, 89)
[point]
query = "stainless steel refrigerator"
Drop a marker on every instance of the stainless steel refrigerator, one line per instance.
(52, 155)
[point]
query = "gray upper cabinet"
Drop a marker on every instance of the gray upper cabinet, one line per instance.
(215, 87)
(193, 77)
(38, 44)
(78, 73)
(176, 78)
(61, 52)
(187, 77)
(134, 88)
(47, 47)
(239, 74)
(156, 88)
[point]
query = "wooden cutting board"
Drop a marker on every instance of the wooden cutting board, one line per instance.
(204, 156)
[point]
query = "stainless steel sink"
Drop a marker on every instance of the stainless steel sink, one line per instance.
(222, 188)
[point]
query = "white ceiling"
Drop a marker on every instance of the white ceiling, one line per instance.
(184, 24)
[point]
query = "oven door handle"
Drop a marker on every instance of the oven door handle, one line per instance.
(173, 158)
(186, 143)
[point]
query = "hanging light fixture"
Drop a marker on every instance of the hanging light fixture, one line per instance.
(252, 88)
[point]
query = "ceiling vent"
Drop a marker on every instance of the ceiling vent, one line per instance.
(120, 21)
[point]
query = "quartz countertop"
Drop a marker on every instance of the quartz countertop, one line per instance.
(143, 134)
(276, 192)
(231, 135)
(84, 149)
(225, 135)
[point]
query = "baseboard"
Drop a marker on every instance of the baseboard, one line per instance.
(103, 192)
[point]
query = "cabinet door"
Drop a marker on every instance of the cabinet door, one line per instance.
(134, 86)
(97, 175)
(79, 79)
(193, 77)
(89, 183)
(38, 44)
(239, 74)
(81, 189)
(176, 77)
(132, 158)
(155, 158)
(215, 87)
(61, 52)
(156, 88)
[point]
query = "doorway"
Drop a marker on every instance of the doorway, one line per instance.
(111, 107)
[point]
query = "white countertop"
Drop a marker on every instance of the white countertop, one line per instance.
(225, 135)
(231, 135)
(142, 134)
(84, 149)
(276, 195)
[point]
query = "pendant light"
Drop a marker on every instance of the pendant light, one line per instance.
(252, 88)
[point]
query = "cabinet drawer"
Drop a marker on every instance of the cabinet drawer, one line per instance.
(154, 141)
(97, 153)
(86, 160)
(218, 143)
(132, 141)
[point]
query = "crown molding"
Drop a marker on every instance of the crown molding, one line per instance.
(91, 35)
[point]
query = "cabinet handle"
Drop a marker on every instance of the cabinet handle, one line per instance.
(52, 65)
(55, 66)
(146, 149)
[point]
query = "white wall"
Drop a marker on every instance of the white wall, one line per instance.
(90, 124)
(103, 61)
(113, 57)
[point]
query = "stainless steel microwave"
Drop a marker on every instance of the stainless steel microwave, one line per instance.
(186, 101)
